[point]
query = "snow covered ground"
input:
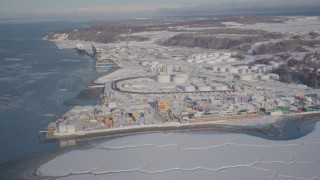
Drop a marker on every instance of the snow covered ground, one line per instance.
(118, 74)
(192, 156)
(284, 27)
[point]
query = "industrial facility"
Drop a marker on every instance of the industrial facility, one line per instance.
(158, 85)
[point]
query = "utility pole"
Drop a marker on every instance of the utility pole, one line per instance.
(58, 110)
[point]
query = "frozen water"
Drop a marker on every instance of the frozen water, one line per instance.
(192, 156)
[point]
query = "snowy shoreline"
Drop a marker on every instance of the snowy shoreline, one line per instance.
(256, 124)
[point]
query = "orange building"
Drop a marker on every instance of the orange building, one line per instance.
(162, 105)
(108, 122)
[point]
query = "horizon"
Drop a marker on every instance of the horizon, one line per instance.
(34, 9)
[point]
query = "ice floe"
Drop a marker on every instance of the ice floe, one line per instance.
(192, 156)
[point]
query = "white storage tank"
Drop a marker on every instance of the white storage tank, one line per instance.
(222, 69)
(204, 56)
(263, 69)
(198, 56)
(199, 61)
(246, 77)
(255, 76)
(230, 59)
(264, 77)
(145, 63)
(215, 69)
(190, 60)
(220, 87)
(274, 76)
(206, 59)
(232, 70)
(225, 57)
(243, 70)
(154, 63)
(219, 59)
(226, 54)
(180, 78)
(275, 64)
(211, 62)
(213, 59)
(189, 88)
(163, 78)
(216, 54)
(255, 68)
(204, 88)
(243, 67)
(269, 68)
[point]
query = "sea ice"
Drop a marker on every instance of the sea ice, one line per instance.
(192, 156)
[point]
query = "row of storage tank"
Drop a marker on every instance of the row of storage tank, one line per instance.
(249, 77)
(258, 68)
(211, 58)
(210, 55)
(217, 87)
(183, 78)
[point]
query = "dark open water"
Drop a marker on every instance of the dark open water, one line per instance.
(34, 74)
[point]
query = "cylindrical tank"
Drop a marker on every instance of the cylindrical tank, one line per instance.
(206, 59)
(216, 54)
(180, 78)
(274, 76)
(243, 70)
(269, 68)
(264, 77)
(275, 64)
(215, 69)
(220, 87)
(144, 63)
(243, 67)
(246, 77)
(230, 59)
(263, 69)
(232, 70)
(203, 56)
(228, 54)
(255, 68)
(199, 61)
(225, 57)
(219, 59)
(211, 62)
(222, 69)
(154, 62)
(189, 88)
(255, 76)
(163, 78)
(204, 88)
(190, 60)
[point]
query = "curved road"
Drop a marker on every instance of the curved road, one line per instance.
(114, 86)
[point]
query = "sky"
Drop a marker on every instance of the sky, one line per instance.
(65, 8)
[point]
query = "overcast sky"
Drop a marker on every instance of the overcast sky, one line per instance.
(48, 8)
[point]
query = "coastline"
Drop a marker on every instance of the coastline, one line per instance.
(255, 124)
